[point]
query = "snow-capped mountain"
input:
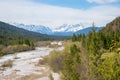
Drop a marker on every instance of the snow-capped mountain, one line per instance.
(63, 30)
(68, 28)
(35, 28)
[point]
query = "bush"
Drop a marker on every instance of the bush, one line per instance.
(55, 60)
(109, 67)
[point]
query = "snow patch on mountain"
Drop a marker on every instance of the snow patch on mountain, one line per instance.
(68, 28)
(35, 28)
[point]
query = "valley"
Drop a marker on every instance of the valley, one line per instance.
(59, 39)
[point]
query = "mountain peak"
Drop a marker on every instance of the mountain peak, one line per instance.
(68, 28)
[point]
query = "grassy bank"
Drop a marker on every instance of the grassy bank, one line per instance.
(4, 50)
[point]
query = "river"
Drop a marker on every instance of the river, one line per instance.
(25, 65)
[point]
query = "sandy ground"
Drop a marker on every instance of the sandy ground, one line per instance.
(25, 66)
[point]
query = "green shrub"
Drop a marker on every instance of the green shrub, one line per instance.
(109, 67)
(71, 64)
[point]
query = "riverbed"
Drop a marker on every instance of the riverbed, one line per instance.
(25, 65)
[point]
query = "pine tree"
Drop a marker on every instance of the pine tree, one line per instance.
(72, 60)
(74, 38)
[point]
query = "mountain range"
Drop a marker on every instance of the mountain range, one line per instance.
(63, 30)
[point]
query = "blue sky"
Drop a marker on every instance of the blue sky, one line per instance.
(53, 13)
(79, 4)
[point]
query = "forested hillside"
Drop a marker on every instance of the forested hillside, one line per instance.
(11, 35)
(95, 56)
(113, 26)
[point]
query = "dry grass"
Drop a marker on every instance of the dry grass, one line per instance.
(55, 60)
(15, 48)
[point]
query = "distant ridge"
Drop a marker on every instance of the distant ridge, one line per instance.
(87, 30)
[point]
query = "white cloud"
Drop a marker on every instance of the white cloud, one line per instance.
(103, 1)
(28, 12)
